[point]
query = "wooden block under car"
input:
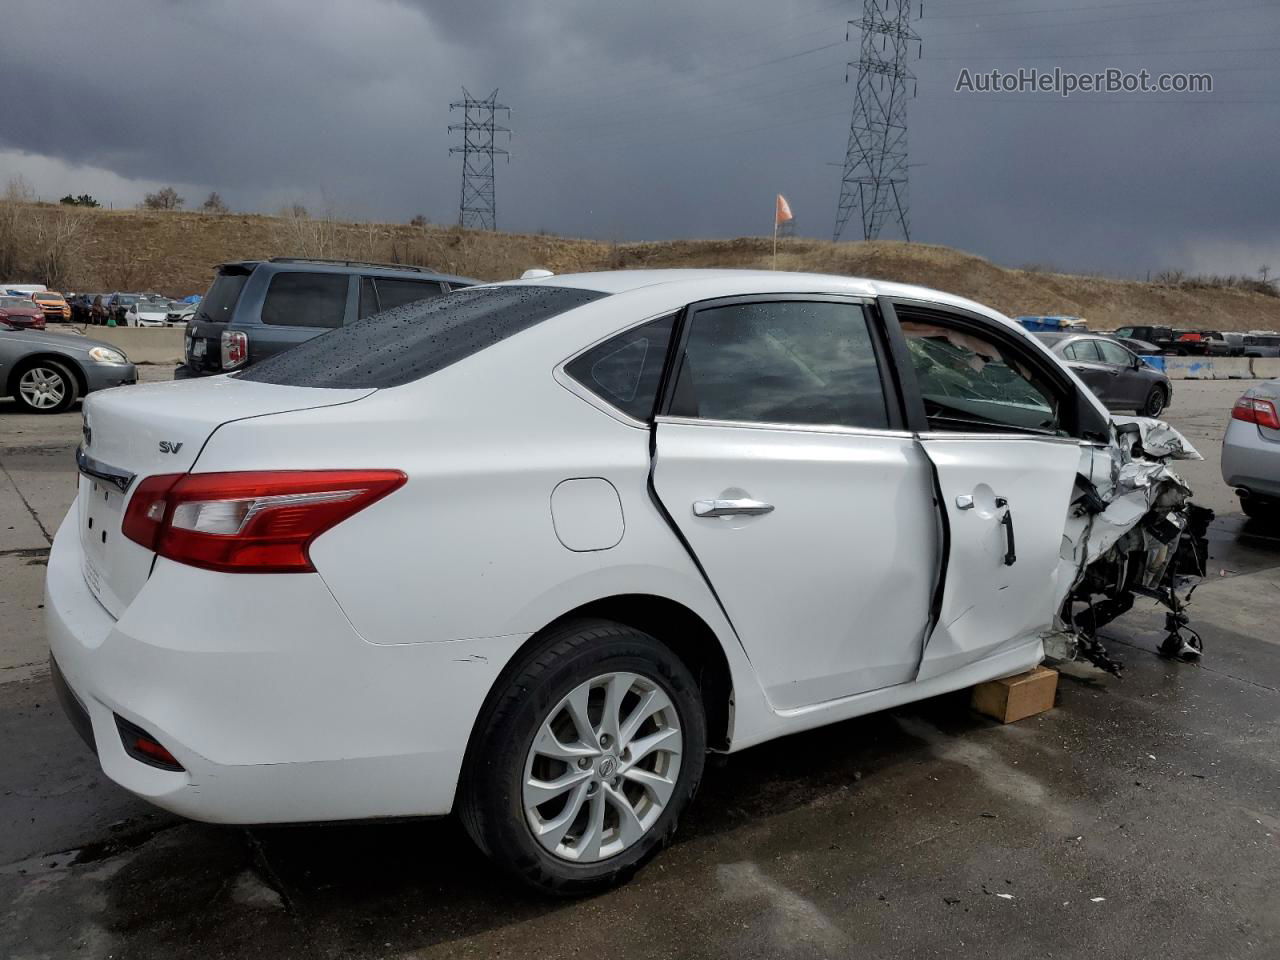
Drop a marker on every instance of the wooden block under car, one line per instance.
(1013, 698)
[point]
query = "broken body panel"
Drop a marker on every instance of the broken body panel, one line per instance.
(1131, 531)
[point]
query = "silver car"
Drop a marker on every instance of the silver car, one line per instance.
(47, 372)
(1251, 450)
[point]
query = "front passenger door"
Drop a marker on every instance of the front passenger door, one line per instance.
(1086, 361)
(1130, 383)
(1005, 473)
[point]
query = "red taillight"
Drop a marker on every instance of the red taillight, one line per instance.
(1256, 410)
(260, 522)
(235, 348)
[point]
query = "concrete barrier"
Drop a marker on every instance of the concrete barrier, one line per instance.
(1266, 368)
(1209, 368)
(140, 344)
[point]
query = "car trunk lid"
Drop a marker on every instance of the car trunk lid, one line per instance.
(142, 431)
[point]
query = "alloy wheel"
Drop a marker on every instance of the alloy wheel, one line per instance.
(42, 387)
(602, 767)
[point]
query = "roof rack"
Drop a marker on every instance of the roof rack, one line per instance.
(354, 263)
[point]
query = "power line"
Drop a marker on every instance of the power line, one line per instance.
(1053, 55)
(984, 32)
(696, 45)
(631, 93)
(478, 205)
(1028, 11)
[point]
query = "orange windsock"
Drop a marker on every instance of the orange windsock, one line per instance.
(783, 212)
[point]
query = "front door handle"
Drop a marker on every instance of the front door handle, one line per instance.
(1010, 556)
(731, 508)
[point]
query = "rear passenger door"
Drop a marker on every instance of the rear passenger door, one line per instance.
(781, 458)
(994, 418)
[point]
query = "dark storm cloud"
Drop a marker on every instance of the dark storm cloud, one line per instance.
(664, 118)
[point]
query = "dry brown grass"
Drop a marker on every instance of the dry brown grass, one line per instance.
(174, 252)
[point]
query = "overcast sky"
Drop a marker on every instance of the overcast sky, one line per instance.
(665, 118)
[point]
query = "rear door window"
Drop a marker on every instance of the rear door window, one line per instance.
(784, 362)
(399, 346)
(368, 298)
(396, 293)
(625, 370)
(306, 300)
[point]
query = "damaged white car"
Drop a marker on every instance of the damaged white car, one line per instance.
(529, 550)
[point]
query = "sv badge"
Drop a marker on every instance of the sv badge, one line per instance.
(168, 446)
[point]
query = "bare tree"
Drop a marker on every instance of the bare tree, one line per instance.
(1265, 270)
(307, 236)
(14, 217)
(213, 204)
(57, 240)
(166, 198)
(419, 221)
(17, 190)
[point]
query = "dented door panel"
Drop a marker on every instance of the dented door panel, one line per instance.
(1006, 501)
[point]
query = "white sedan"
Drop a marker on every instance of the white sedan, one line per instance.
(528, 551)
(148, 313)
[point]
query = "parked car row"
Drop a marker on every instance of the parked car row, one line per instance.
(1203, 343)
(128, 309)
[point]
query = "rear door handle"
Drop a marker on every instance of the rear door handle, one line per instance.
(731, 508)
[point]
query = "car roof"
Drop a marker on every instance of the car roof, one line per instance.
(706, 284)
(304, 265)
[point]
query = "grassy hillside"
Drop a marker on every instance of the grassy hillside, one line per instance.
(173, 253)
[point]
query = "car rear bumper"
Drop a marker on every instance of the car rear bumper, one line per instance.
(275, 707)
(1249, 460)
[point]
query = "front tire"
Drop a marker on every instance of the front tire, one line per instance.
(585, 758)
(1157, 399)
(45, 387)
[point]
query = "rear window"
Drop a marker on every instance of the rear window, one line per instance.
(220, 302)
(410, 342)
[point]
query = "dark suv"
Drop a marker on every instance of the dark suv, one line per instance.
(256, 308)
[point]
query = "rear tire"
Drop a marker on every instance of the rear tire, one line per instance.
(1156, 401)
(1260, 508)
(613, 809)
(45, 386)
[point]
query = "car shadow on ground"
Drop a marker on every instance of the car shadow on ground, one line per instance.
(374, 887)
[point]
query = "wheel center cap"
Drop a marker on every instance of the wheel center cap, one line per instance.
(608, 767)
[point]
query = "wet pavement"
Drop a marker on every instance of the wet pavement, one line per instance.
(1140, 817)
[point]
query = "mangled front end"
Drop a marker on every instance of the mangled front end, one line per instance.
(1131, 531)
